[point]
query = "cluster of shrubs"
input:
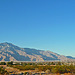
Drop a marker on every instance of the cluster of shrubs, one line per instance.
(51, 69)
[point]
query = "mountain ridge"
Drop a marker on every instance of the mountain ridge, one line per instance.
(11, 52)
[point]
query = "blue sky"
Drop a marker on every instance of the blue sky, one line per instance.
(40, 24)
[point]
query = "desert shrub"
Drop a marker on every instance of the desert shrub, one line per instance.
(36, 70)
(3, 71)
(47, 71)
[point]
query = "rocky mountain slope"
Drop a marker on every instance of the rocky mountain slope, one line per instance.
(10, 52)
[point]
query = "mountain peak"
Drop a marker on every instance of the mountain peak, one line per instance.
(6, 44)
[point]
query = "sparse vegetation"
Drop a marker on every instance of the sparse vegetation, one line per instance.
(47, 67)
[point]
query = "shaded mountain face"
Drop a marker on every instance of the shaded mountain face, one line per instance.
(10, 52)
(70, 57)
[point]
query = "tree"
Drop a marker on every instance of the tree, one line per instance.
(2, 63)
(10, 63)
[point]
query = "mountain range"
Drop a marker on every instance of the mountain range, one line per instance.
(11, 52)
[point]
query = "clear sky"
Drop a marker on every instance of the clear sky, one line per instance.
(40, 24)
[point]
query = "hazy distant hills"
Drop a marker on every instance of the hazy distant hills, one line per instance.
(10, 52)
